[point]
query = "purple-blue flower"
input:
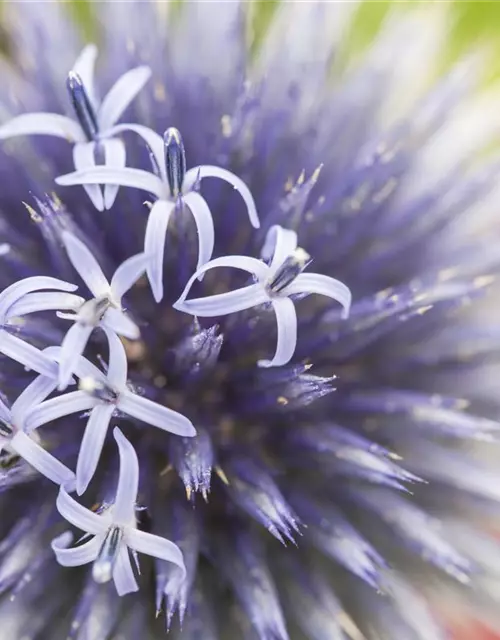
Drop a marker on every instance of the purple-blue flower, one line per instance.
(287, 317)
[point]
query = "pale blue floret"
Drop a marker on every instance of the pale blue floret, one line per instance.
(171, 185)
(114, 530)
(14, 439)
(91, 132)
(104, 310)
(275, 283)
(104, 395)
(24, 297)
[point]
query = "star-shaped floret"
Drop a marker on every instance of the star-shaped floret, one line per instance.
(172, 186)
(104, 310)
(114, 530)
(275, 283)
(104, 395)
(15, 440)
(27, 296)
(92, 131)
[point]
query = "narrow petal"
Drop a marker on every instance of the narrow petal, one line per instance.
(155, 546)
(79, 516)
(279, 244)
(128, 480)
(223, 304)
(136, 178)
(84, 158)
(324, 286)
(86, 265)
(123, 574)
(155, 414)
(84, 67)
(27, 355)
(209, 171)
(286, 320)
(117, 365)
(33, 395)
(154, 244)
(127, 275)
(115, 156)
(204, 225)
(92, 444)
(251, 265)
(121, 95)
(19, 289)
(150, 137)
(72, 347)
(45, 301)
(48, 124)
(120, 323)
(65, 405)
(75, 557)
(84, 368)
(41, 460)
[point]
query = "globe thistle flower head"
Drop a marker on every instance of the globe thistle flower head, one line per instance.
(270, 270)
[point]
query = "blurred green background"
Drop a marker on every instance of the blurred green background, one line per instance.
(473, 20)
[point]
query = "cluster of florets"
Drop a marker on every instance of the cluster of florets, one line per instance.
(100, 161)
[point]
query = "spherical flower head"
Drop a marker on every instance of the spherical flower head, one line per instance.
(248, 326)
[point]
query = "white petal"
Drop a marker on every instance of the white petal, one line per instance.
(86, 265)
(286, 320)
(115, 156)
(75, 557)
(27, 355)
(84, 67)
(92, 444)
(49, 410)
(123, 574)
(278, 245)
(121, 94)
(126, 177)
(83, 369)
(204, 225)
(150, 137)
(41, 460)
(117, 321)
(223, 304)
(72, 347)
(154, 244)
(128, 481)
(209, 171)
(45, 301)
(84, 158)
(117, 365)
(33, 395)
(127, 275)
(79, 516)
(155, 546)
(155, 414)
(19, 289)
(324, 286)
(48, 124)
(251, 265)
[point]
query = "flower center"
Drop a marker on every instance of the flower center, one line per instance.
(286, 273)
(102, 570)
(98, 390)
(175, 160)
(92, 311)
(82, 106)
